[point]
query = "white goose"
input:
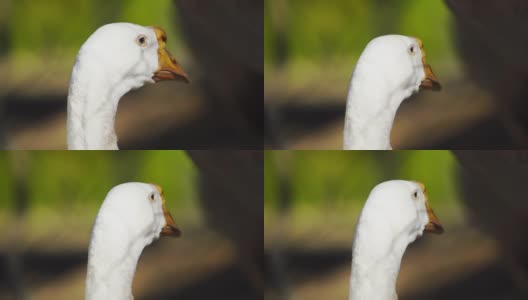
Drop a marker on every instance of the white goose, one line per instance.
(395, 214)
(131, 217)
(390, 69)
(116, 58)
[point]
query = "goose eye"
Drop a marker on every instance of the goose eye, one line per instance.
(412, 50)
(141, 41)
(152, 197)
(415, 195)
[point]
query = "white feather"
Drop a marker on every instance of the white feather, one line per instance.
(127, 222)
(385, 75)
(390, 220)
(109, 64)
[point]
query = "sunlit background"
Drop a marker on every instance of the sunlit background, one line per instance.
(311, 48)
(312, 202)
(49, 202)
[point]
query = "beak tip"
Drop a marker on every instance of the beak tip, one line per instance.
(171, 230)
(167, 74)
(430, 84)
(433, 227)
(430, 81)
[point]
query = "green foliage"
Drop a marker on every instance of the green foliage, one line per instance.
(148, 12)
(324, 177)
(436, 169)
(268, 32)
(61, 179)
(53, 28)
(5, 182)
(49, 25)
(64, 180)
(174, 172)
(159, 13)
(345, 178)
(317, 29)
(431, 22)
(323, 31)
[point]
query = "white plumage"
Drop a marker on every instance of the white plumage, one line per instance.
(131, 217)
(395, 214)
(115, 59)
(390, 69)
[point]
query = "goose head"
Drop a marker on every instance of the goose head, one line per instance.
(390, 69)
(401, 208)
(395, 214)
(394, 63)
(141, 209)
(133, 53)
(115, 59)
(131, 217)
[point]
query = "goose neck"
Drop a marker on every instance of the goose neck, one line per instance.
(111, 267)
(376, 263)
(92, 105)
(369, 118)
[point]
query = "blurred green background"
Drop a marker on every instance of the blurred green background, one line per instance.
(312, 200)
(50, 199)
(311, 48)
(39, 41)
(214, 42)
(304, 36)
(38, 35)
(338, 182)
(49, 202)
(61, 184)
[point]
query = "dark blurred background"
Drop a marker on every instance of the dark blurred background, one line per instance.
(476, 49)
(50, 199)
(219, 44)
(312, 200)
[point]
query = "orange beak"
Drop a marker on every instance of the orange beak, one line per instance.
(430, 82)
(170, 228)
(168, 67)
(433, 226)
